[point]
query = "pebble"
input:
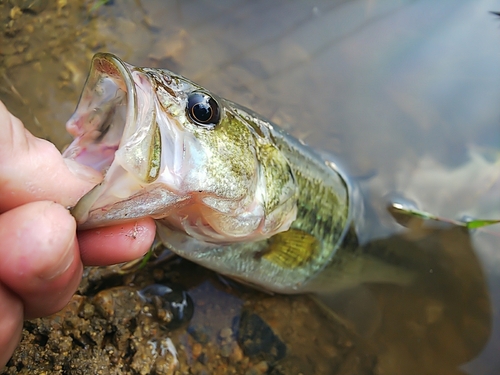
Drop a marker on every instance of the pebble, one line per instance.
(203, 359)
(88, 311)
(225, 333)
(237, 354)
(226, 350)
(197, 349)
(199, 333)
(258, 369)
(15, 13)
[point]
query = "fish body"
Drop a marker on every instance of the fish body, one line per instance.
(228, 189)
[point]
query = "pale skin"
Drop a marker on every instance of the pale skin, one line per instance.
(41, 253)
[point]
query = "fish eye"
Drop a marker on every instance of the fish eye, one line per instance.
(203, 110)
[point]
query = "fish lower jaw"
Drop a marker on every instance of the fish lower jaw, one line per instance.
(219, 229)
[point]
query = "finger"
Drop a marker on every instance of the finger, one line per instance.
(116, 244)
(11, 323)
(39, 258)
(32, 169)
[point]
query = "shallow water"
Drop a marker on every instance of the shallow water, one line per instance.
(403, 94)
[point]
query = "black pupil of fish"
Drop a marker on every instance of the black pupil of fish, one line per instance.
(202, 112)
(203, 109)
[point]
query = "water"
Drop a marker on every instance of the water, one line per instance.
(404, 95)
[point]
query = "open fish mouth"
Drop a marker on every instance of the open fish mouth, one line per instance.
(116, 134)
(100, 119)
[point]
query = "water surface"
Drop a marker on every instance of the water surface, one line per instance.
(404, 96)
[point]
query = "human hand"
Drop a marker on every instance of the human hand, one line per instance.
(41, 254)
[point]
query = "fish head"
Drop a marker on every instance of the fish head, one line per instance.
(171, 150)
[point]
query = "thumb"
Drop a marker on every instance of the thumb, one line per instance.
(33, 169)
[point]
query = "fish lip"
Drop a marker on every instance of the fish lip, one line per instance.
(109, 63)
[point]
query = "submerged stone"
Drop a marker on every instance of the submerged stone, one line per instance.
(258, 340)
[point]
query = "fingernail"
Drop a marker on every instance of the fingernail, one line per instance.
(83, 172)
(62, 264)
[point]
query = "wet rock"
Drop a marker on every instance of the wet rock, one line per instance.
(15, 13)
(87, 311)
(200, 333)
(196, 351)
(257, 339)
(203, 359)
(236, 354)
(226, 350)
(258, 369)
(225, 333)
(118, 305)
(99, 278)
(173, 305)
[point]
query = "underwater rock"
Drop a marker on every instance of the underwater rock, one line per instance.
(257, 339)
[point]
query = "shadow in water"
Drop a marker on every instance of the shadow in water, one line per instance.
(440, 321)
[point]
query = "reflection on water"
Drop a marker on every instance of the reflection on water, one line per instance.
(404, 94)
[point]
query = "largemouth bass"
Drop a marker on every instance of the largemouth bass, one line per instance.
(228, 189)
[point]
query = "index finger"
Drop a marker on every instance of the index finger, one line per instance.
(116, 244)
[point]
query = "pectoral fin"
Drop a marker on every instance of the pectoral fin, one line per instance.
(291, 249)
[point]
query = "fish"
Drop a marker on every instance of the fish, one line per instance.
(228, 189)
